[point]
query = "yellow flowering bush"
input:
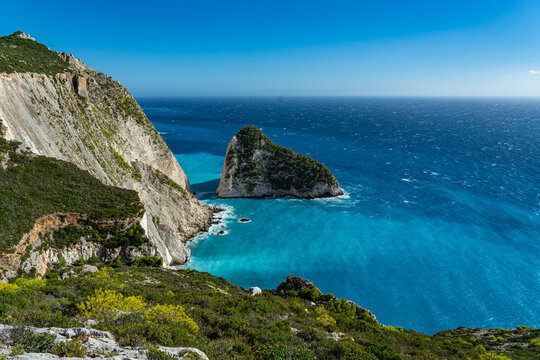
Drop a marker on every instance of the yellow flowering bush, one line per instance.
(9, 287)
(34, 283)
(22, 283)
(171, 314)
(103, 276)
(493, 356)
(324, 319)
(108, 303)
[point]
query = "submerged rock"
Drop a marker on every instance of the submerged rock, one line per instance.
(256, 167)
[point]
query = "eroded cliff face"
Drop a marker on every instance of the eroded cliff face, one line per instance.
(256, 167)
(89, 119)
(28, 254)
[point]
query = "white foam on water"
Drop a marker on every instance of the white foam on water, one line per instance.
(219, 223)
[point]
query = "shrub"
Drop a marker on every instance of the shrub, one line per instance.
(171, 314)
(310, 293)
(32, 284)
(151, 261)
(534, 343)
(493, 356)
(109, 304)
(32, 342)
(9, 287)
(155, 354)
(23, 283)
(326, 321)
(280, 352)
(72, 348)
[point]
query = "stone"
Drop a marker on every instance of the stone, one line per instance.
(89, 268)
(244, 220)
(79, 84)
(99, 345)
(255, 290)
(23, 35)
(256, 167)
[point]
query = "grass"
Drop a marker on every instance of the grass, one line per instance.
(33, 186)
(24, 55)
(284, 168)
(164, 179)
(195, 309)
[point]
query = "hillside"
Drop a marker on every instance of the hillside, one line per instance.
(58, 107)
(19, 53)
(52, 210)
(149, 307)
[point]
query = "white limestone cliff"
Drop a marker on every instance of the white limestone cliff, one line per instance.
(89, 119)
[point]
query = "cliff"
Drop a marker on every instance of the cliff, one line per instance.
(51, 211)
(256, 167)
(57, 106)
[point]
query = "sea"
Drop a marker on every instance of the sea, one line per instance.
(439, 224)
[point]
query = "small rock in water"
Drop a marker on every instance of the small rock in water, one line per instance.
(254, 291)
(222, 232)
(244, 220)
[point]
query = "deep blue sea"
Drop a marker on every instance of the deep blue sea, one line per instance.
(439, 226)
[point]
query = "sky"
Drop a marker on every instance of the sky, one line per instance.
(296, 48)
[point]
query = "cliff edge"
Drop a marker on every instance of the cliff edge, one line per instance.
(256, 167)
(57, 106)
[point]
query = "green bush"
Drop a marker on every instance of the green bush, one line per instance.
(155, 354)
(70, 348)
(32, 342)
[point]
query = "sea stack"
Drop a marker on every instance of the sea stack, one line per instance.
(256, 167)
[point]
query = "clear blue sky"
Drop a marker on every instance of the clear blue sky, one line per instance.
(256, 47)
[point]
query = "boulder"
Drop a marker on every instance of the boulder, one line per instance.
(254, 291)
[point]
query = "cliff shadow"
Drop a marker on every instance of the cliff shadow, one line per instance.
(206, 190)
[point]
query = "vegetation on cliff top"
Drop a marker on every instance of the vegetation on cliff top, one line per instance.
(150, 306)
(284, 168)
(25, 55)
(32, 186)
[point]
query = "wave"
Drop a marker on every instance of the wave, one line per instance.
(219, 223)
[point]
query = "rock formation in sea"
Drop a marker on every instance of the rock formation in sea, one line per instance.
(57, 106)
(256, 167)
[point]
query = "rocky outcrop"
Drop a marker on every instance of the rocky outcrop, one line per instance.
(97, 344)
(23, 35)
(296, 283)
(89, 119)
(28, 253)
(256, 167)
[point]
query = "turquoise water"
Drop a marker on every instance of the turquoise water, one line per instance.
(439, 226)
